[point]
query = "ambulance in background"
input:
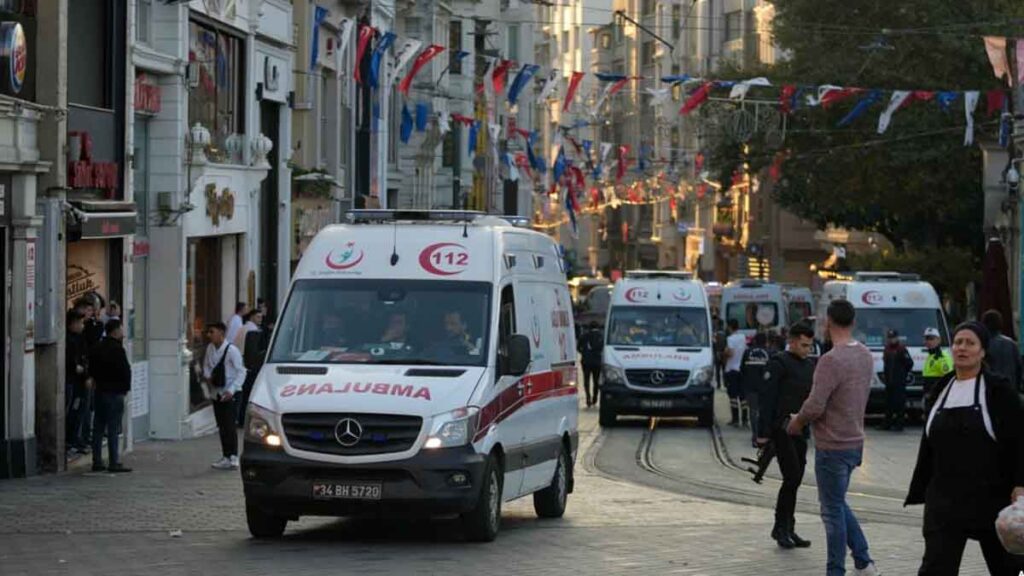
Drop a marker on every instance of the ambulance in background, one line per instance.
(756, 305)
(889, 301)
(424, 363)
(658, 349)
(799, 303)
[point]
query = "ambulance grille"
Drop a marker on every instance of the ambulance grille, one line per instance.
(651, 379)
(380, 433)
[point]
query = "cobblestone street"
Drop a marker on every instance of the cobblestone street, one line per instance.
(623, 518)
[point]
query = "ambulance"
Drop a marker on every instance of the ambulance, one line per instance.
(886, 301)
(658, 357)
(799, 303)
(423, 364)
(755, 305)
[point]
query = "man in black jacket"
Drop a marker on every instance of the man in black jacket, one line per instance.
(752, 368)
(76, 377)
(1003, 354)
(591, 347)
(109, 366)
(787, 383)
(897, 365)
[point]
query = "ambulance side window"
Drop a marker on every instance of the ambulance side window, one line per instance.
(506, 326)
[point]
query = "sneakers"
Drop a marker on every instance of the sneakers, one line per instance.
(96, 467)
(226, 463)
(118, 469)
(868, 570)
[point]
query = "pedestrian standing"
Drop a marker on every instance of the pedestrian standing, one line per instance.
(1003, 355)
(108, 364)
(224, 373)
(719, 352)
(896, 370)
(937, 363)
(88, 305)
(971, 461)
(735, 346)
(251, 322)
(591, 348)
(236, 321)
(787, 384)
(752, 368)
(77, 382)
(835, 409)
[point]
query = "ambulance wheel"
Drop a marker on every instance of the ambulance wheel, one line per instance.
(482, 522)
(263, 524)
(550, 502)
(606, 416)
(706, 419)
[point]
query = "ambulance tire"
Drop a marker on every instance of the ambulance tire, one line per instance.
(550, 502)
(606, 416)
(482, 522)
(706, 419)
(263, 524)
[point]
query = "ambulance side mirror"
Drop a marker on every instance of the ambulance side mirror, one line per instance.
(517, 359)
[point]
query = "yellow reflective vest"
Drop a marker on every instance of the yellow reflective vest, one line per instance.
(936, 366)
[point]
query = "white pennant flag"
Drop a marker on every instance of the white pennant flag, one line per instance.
(549, 85)
(444, 122)
(740, 89)
(606, 147)
(409, 49)
(513, 172)
(495, 131)
(659, 95)
(596, 108)
(897, 100)
(822, 92)
(343, 37)
(970, 104)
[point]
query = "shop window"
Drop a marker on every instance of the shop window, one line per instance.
(647, 53)
(89, 39)
(513, 41)
(606, 41)
(733, 25)
(143, 12)
(217, 102)
(454, 47)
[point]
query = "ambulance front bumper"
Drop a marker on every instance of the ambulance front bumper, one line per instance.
(693, 400)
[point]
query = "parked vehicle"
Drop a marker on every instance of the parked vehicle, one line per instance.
(756, 305)
(799, 303)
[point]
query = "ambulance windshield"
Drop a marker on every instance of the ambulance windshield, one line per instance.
(658, 326)
(411, 322)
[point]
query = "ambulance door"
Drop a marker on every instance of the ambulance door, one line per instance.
(506, 410)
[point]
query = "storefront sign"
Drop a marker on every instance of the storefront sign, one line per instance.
(140, 247)
(107, 225)
(140, 389)
(14, 57)
(83, 172)
(219, 205)
(147, 94)
(30, 292)
(87, 269)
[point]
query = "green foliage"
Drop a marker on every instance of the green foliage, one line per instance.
(917, 184)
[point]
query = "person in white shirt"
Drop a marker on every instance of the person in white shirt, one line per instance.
(237, 321)
(224, 373)
(735, 346)
(253, 321)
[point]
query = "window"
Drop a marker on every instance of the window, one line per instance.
(606, 41)
(89, 39)
(217, 103)
(513, 42)
(454, 47)
(450, 147)
(143, 10)
(658, 326)
(677, 20)
(506, 326)
(647, 53)
(733, 25)
(565, 40)
(751, 315)
(647, 6)
(873, 324)
(576, 38)
(325, 120)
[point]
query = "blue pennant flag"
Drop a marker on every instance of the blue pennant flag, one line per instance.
(422, 112)
(560, 165)
(587, 146)
(570, 209)
(946, 99)
(1005, 124)
(406, 128)
(473, 130)
(605, 77)
(378, 53)
(319, 15)
(535, 162)
(460, 55)
(522, 79)
(866, 102)
(675, 79)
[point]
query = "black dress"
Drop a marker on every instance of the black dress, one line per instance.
(964, 477)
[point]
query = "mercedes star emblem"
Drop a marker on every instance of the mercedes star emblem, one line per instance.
(348, 431)
(657, 377)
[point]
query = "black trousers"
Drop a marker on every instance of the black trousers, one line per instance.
(944, 548)
(896, 403)
(791, 453)
(225, 413)
(591, 382)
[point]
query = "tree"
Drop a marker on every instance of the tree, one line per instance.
(917, 184)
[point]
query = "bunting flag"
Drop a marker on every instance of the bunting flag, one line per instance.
(970, 105)
(676, 79)
(895, 102)
(570, 94)
(946, 99)
(365, 35)
(559, 166)
(444, 122)
(343, 37)
(536, 162)
(570, 207)
(378, 54)
(739, 91)
(405, 130)
(499, 75)
(549, 85)
(614, 83)
(866, 102)
(788, 98)
(474, 128)
(994, 101)
(422, 113)
(319, 15)
(520, 82)
(587, 147)
(995, 46)
(606, 148)
(456, 57)
(1005, 125)
(510, 164)
(421, 61)
(829, 95)
(464, 120)
(659, 96)
(620, 170)
(698, 97)
(406, 52)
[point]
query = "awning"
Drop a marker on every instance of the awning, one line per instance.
(101, 219)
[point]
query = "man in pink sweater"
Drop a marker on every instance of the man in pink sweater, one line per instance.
(835, 411)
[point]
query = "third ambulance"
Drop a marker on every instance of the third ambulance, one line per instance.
(755, 305)
(657, 356)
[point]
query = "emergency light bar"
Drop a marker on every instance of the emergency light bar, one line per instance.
(368, 216)
(673, 274)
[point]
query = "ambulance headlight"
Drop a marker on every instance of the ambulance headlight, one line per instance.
(613, 374)
(701, 377)
(453, 429)
(259, 426)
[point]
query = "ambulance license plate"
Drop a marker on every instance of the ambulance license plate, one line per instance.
(656, 404)
(346, 490)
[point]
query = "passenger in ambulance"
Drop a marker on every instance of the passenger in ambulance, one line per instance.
(332, 332)
(396, 332)
(455, 341)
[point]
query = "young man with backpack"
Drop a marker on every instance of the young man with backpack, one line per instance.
(224, 373)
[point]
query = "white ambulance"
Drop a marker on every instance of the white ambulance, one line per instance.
(890, 301)
(799, 303)
(424, 363)
(755, 305)
(658, 357)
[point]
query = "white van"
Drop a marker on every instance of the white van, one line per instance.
(424, 363)
(799, 303)
(658, 357)
(890, 301)
(755, 305)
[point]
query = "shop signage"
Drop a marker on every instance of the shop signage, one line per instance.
(30, 293)
(140, 247)
(14, 56)
(271, 75)
(147, 94)
(219, 205)
(101, 225)
(83, 172)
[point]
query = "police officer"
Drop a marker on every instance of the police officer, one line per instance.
(937, 364)
(755, 362)
(787, 384)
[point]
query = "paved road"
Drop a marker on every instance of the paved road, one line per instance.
(631, 515)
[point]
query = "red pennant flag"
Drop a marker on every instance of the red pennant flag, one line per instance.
(595, 197)
(833, 96)
(625, 231)
(786, 98)
(465, 120)
(578, 175)
(617, 87)
(672, 205)
(775, 171)
(523, 162)
(570, 94)
(365, 35)
(499, 75)
(702, 191)
(996, 99)
(553, 189)
(621, 169)
(419, 63)
(521, 132)
(698, 163)
(699, 96)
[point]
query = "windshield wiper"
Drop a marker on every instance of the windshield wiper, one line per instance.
(407, 361)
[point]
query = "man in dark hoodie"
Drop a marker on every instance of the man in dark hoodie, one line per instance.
(591, 347)
(897, 364)
(109, 366)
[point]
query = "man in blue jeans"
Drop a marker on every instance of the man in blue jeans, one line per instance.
(108, 364)
(835, 409)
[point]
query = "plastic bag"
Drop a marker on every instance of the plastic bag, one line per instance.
(1010, 527)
